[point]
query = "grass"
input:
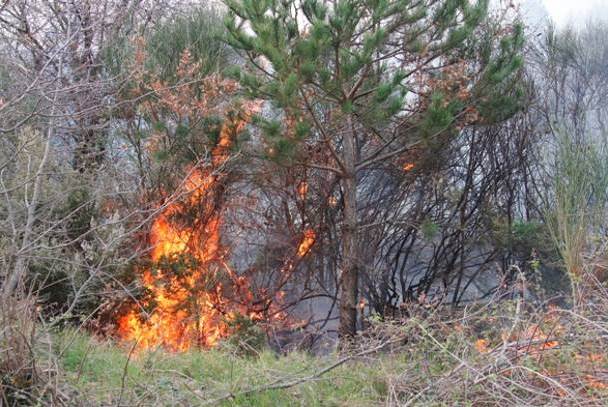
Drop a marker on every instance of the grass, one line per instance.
(487, 356)
(96, 368)
(507, 353)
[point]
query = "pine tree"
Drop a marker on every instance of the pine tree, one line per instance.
(369, 81)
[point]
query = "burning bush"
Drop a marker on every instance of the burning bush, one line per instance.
(191, 293)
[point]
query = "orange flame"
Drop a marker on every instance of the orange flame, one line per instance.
(481, 345)
(188, 282)
(302, 189)
(307, 241)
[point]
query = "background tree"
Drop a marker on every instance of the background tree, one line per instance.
(568, 67)
(58, 85)
(64, 226)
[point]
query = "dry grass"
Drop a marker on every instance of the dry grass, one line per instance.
(503, 353)
(27, 374)
(507, 353)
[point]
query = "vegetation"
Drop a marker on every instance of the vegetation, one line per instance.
(488, 356)
(334, 85)
(350, 202)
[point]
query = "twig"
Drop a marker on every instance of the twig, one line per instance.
(124, 374)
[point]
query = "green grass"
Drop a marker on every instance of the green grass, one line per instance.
(96, 369)
(429, 362)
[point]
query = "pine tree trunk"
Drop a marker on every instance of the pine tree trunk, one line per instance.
(349, 278)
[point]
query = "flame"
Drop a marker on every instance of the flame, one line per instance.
(307, 241)
(187, 285)
(408, 166)
(481, 345)
(302, 189)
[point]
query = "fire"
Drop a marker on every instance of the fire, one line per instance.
(481, 345)
(307, 241)
(302, 189)
(408, 166)
(192, 294)
(179, 319)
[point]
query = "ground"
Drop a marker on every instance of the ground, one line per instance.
(479, 357)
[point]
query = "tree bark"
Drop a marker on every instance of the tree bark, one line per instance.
(350, 276)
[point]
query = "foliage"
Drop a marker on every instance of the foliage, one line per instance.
(581, 182)
(247, 337)
(201, 32)
(198, 29)
(301, 54)
(402, 164)
(363, 83)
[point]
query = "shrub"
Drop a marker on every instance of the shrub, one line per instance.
(19, 371)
